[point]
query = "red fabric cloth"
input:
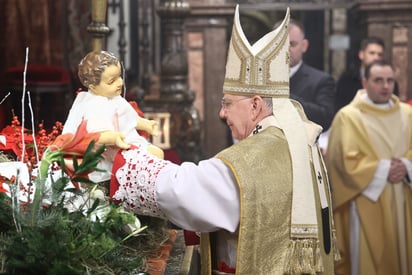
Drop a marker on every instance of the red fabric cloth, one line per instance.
(37, 74)
(223, 267)
(172, 156)
(191, 238)
(141, 114)
(117, 163)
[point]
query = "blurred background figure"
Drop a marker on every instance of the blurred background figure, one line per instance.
(314, 89)
(369, 164)
(371, 48)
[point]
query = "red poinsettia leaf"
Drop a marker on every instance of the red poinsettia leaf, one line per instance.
(136, 108)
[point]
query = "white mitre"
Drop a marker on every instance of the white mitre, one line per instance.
(261, 69)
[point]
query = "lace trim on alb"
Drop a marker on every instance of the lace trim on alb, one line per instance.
(137, 182)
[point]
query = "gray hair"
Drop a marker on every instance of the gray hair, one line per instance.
(268, 103)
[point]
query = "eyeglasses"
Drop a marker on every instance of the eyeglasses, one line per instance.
(227, 103)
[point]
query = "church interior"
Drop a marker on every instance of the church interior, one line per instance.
(173, 53)
(173, 56)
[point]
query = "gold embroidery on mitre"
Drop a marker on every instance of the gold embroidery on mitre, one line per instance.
(258, 69)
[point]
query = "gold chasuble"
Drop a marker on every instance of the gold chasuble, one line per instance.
(362, 135)
(264, 232)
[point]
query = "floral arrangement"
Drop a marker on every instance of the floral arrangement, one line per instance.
(25, 144)
(54, 220)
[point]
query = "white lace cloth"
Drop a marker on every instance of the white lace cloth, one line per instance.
(137, 182)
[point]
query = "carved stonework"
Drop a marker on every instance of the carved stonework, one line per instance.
(207, 35)
(175, 96)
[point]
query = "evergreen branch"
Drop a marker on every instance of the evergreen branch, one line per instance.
(4, 242)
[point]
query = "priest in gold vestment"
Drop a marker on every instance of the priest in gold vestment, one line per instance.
(263, 205)
(369, 162)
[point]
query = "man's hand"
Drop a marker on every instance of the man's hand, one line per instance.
(397, 171)
(113, 138)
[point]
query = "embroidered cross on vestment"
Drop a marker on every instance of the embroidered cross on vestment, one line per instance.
(258, 127)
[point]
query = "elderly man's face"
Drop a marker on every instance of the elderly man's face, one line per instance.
(237, 111)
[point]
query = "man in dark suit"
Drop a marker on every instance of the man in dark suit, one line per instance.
(371, 49)
(314, 89)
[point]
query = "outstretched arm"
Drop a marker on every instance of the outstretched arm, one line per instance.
(147, 125)
(113, 138)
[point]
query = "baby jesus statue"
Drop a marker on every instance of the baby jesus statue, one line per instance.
(105, 110)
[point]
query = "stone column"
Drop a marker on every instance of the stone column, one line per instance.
(207, 34)
(175, 97)
(98, 27)
(338, 42)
